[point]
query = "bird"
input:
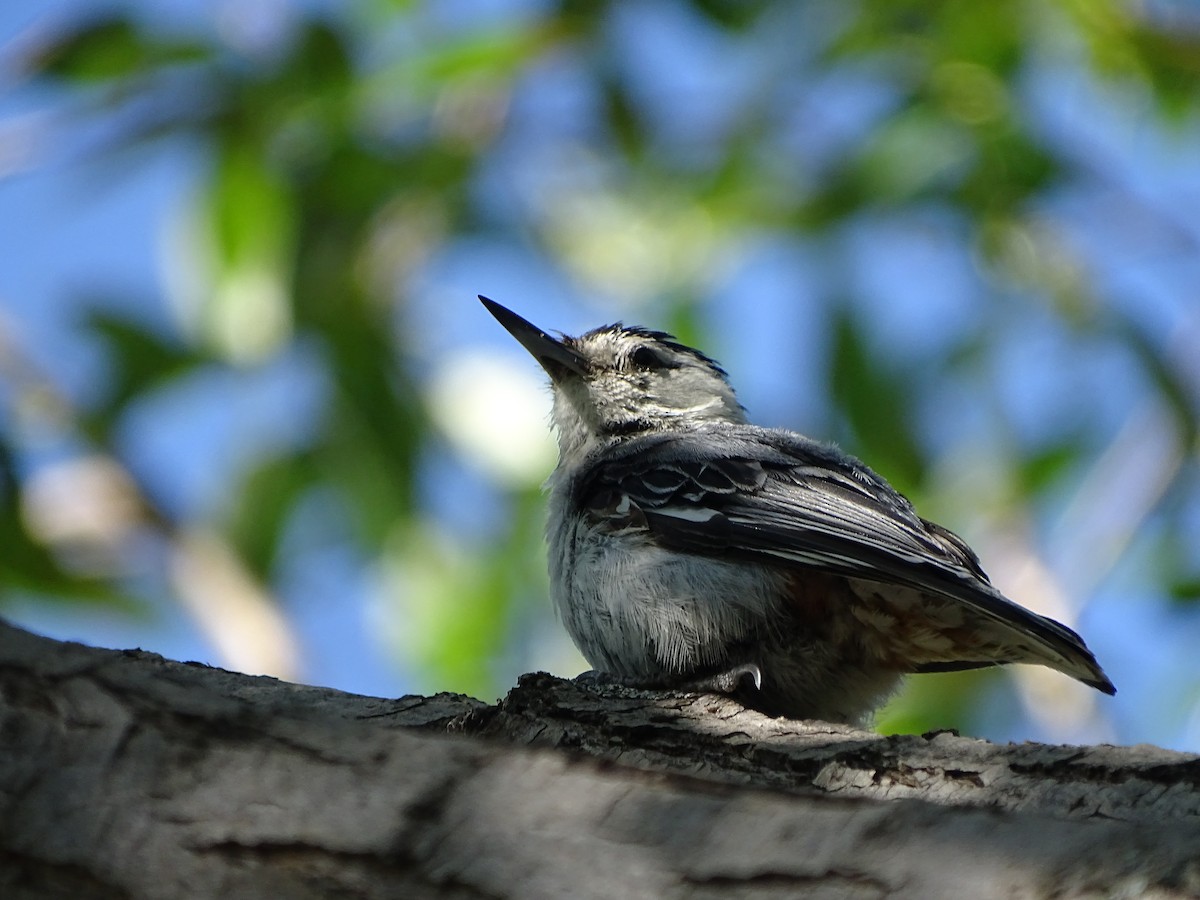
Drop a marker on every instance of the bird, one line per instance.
(691, 550)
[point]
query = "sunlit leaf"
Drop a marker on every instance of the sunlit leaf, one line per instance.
(247, 316)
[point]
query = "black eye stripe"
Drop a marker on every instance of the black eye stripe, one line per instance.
(646, 358)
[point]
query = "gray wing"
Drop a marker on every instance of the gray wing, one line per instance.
(775, 497)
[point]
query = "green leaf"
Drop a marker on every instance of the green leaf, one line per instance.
(937, 701)
(28, 566)
(1185, 590)
(1042, 469)
(251, 211)
(104, 49)
(140, 360)
(319, 61)
(875, 400)
(264, 502)
(1173, 388)
(1009, 170)
(917, 151)
(734, 15)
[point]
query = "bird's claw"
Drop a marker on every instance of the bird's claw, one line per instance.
(727, 682)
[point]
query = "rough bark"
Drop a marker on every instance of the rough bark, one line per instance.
(126, 775)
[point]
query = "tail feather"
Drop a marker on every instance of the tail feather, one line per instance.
(1053, 645)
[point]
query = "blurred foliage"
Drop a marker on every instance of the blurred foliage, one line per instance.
(345, 154)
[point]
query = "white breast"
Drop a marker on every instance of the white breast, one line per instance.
(637, 610)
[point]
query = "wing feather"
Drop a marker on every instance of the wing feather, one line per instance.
(773, 496)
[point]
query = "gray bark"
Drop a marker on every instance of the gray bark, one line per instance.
(127, 775)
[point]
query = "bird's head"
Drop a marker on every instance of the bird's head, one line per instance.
(619, 380)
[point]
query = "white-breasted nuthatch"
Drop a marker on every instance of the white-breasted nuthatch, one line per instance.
(690, 549)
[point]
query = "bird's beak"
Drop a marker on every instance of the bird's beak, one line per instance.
(553, 355)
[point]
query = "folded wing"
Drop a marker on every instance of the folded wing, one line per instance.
(774, 497)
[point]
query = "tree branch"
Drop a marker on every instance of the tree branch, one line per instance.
(124, 774)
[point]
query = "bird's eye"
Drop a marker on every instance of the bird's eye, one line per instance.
(645, 358)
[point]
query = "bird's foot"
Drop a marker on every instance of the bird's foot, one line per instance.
(727, 682)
